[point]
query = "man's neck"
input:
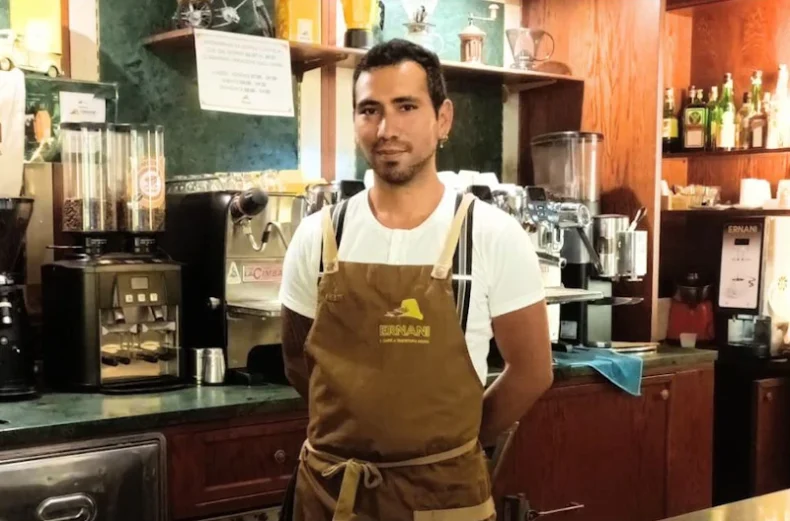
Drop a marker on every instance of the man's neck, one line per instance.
(406, 207)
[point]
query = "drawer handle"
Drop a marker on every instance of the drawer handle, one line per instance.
(665, 394)
(83, 504)
(769, 396)
(280, 456)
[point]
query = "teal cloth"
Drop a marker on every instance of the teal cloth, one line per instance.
(625, 371)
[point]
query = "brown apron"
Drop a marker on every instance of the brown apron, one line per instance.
(395, 402)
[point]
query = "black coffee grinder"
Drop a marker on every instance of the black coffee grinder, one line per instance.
(17, 360)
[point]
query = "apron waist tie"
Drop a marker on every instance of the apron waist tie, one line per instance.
(353, 469)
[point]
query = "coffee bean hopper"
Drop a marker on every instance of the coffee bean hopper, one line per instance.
(112, 303)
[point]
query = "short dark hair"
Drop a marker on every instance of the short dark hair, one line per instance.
(397, 51)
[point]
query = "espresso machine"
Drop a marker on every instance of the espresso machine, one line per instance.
(112, 303)
(17, 360)
(232, 244)
(597, 252)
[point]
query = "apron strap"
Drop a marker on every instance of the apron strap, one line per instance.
(354, 469)
(445, 263)
(329, 249)
(338, 213)
(462, 265)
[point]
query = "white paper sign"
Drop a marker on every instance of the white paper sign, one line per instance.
(244, 74)
(80, 107)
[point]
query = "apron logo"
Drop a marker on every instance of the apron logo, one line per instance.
(409, 308)
(405, 333)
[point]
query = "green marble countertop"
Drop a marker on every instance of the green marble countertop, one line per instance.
(56, 417)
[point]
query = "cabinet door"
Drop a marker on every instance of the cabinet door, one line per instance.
(770, 462)
(223, 468)
(595, 445)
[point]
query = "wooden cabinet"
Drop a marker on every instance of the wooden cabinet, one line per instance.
(227, 467)
(632, 458)
(770, 460)
(622, 457)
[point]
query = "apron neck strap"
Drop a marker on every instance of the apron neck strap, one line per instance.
(445, 263)
(330, 243)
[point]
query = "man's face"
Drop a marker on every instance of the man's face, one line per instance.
(395, 123)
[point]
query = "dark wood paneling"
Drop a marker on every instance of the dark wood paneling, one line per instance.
(690, 480)
(682, 4)
(65, 37)
(328, 93)
(727, 171)
(595, 445)
(675, 171)
(615, 46)
(740, 36)
(676, 53)
(770, 465)
(231, 466)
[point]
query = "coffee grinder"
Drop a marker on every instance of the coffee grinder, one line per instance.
(607, 249)
(17, 360)
(112, 306)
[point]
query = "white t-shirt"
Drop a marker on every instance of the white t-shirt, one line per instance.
(505, 269)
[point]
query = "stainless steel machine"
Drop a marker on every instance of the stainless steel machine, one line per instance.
(232, 244)
(602, 249)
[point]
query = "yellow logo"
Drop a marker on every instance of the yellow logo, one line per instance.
(405, 333)
(409, 308)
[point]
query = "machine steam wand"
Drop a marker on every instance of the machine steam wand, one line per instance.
(245, 206)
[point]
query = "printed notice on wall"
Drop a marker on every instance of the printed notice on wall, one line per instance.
(244, 74)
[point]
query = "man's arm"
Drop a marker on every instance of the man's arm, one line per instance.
(294, 334)
(523, 340)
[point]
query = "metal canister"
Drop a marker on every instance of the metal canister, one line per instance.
(632, 254)
(606, 229)
(214, 366)
(472, 41)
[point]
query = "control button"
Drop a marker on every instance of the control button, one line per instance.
(153, 297)
(129, 298)
(141, 297)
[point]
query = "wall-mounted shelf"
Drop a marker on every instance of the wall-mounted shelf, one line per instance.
(722, 153)
(728, 213)
(306, 56)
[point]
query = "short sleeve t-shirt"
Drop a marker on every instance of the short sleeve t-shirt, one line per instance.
(506, 273)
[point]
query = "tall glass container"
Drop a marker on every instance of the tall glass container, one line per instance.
(567, 164)
(141, 167)
(89, 188)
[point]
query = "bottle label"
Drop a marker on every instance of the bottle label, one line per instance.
(726, 132)
(694, 123)
(669, 129)
(758, 137)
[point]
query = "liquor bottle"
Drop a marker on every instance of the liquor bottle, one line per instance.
(777, 111)
(725, 138)
(742, 122)
(669, 128)
(758, 123)
(713, 118)
(695, 121)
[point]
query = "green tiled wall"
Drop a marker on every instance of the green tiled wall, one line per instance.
(160, 86)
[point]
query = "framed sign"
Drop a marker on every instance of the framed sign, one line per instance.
(35, 37)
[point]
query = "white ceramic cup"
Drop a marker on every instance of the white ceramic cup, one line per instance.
(688, 339)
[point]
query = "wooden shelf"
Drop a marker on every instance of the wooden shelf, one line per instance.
(728, 213)
(306, 56)
(721, 153)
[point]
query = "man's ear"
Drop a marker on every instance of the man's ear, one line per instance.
(445, 118)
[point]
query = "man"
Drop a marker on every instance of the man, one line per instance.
(390, 348)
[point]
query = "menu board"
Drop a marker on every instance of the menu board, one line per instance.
(244, 74)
